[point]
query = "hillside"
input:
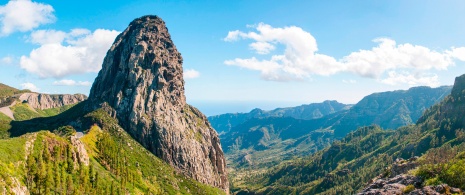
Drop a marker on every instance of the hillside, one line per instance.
(262, 142)
(105, 160)
(351, 163)
(20, 105)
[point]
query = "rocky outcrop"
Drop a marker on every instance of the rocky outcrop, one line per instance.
(406, 184)
(142, 81)
(401, 183)
(81, 152)
(402, 166)
(395, 185)
(46, 101)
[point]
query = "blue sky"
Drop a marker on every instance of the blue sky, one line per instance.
(244, 54)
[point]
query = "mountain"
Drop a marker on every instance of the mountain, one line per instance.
(224, 122)
(135, 134)
(369, 160)
(265, 141)
(142, 81)
(390, 110)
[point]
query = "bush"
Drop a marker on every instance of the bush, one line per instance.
(65, 131)
(409, 188)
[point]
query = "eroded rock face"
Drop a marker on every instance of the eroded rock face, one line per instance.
(142, 80)
(46, 101)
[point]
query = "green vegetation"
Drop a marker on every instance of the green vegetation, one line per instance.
(8, 94)
(257, 140)
(54, 111)
(4, 125)
(349, 164)
(409, 189)
(22, 111)
(6, 91)
(117, 163)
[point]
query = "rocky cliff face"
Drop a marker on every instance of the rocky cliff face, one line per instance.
(142, 81)
(46, 101)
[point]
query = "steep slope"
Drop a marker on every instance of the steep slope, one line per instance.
(142, 84)
(105, 160)
(350, 165)
(224, 122)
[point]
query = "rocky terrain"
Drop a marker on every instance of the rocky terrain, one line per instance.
(47, 101)
(398, 181)
(141, 84)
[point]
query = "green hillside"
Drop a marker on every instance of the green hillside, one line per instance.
(349, 164)
(47, 163)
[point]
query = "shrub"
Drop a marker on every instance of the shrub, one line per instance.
(409, 189)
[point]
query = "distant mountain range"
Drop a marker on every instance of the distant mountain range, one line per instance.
(372, 158)
(224, 122)
(263, 138)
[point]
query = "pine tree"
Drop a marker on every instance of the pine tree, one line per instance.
(49, 182)
(70, 185)
(70, 160)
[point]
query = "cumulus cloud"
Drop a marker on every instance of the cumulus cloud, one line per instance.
(68, 82)
(30, 86)
(61, 54)
(262, 47)
(43, 37)
(301, 59)
(395, 78)
(191, 74)
(24, 15)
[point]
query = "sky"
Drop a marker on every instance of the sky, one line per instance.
(239, 55)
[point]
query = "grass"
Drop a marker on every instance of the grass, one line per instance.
(12, 154)
(6, 91)
(54, 111)
(90, 140)
(12, 150)
(23, 112)
(4, 125)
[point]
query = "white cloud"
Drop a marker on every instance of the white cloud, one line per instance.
(300, 59)
(458, 53)
(350, 81)
(6, 60)
(191, 74)
(67, 82)
(30, 86)
(390, 56)
(61, 54)
(43, 37)
(24, 15)
(395, 78)
(262, 47)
